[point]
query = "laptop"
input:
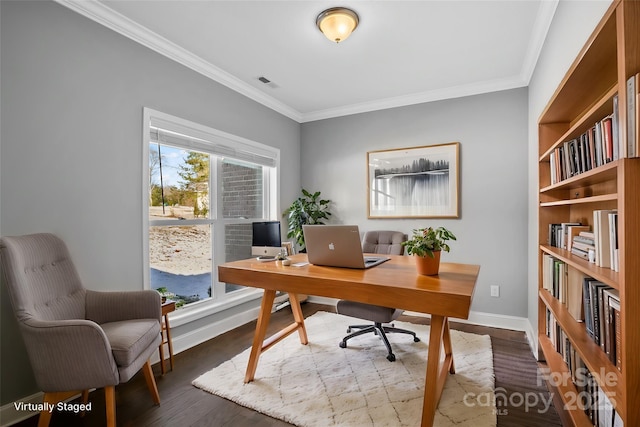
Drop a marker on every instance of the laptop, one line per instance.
(337, 246)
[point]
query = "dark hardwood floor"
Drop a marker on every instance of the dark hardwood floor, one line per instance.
(184, 405)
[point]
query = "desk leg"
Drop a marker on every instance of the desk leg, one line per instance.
(439, 338)
(298, 317)
(261, 330)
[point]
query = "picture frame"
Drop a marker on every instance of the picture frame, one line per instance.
(415, 182)
(288, 247)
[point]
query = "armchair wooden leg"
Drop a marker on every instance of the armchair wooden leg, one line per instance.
(84, 400)
(151, 382)
(110, 403)
(51, 400)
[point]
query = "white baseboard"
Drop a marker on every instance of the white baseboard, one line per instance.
(9, 415)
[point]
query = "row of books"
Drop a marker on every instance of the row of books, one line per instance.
(565, 284)
(602, 317)
(589, 395)
(587, 300)
(603, 142)
(599, 145)
(599, 245)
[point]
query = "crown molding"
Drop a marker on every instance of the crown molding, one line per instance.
(418, 98)
(539, 35)
(115, 21)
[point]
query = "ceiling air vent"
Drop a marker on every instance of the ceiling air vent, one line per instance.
(267, 82)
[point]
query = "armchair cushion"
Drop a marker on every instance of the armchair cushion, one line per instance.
(103, 307)
(130, 338)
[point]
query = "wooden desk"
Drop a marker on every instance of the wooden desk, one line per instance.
(393, 284)
(167, 307)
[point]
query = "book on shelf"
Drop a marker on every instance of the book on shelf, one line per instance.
(588, 312)
(579, 245)
(602, 237)
(609, 326)
(613, 240)
(595, 293)
(575, 305)
(589, 241)
(584, 254)
(633, 115)
(614, 314)
(617, 149)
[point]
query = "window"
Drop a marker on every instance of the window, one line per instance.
(203, 189)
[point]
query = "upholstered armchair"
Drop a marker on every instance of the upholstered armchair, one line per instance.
(77, 339)
(378, 242)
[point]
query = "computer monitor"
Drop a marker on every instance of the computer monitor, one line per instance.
(266, 240)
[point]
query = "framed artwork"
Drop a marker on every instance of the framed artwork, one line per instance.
(417, 182)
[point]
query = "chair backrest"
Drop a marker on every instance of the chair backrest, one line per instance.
(383, 242)
(41, 279)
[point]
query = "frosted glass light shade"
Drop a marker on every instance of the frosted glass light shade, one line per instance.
(337, 23)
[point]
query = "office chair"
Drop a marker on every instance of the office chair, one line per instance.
(379, 242)
(77, 339)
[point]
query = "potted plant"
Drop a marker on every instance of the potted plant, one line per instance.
(426, 245)
(306, 209)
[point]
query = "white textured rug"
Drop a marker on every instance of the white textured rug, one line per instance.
(321, 384)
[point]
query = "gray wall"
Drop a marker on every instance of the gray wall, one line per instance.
(71, 163)
(572, 25)
(492, 131)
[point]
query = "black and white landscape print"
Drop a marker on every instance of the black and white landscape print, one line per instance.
(414, 182)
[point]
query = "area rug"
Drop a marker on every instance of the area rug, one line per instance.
(321, 384)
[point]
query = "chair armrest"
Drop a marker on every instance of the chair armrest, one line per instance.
(69, 355)
(102, 307)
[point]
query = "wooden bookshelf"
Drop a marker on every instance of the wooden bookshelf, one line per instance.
(585, 96)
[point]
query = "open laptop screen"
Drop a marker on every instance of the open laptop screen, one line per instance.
(337, 246)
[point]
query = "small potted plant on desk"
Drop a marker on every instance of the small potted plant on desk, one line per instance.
(426, 245)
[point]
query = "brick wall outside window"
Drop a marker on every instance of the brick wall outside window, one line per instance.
(241, 198)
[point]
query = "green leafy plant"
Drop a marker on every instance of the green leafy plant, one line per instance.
(425, 241)
(306, 209)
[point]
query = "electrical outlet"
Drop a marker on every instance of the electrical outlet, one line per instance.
(495, 291)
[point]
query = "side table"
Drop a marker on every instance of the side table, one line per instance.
(167, 307)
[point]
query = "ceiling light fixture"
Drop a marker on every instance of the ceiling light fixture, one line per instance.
(337, 23)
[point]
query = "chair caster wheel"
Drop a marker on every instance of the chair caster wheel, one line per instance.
(416, 339)
(343, 344)
(391, 357)
(348, 330)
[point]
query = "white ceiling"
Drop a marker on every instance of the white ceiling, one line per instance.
(402, 53)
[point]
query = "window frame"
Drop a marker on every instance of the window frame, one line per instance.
(216, 143)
